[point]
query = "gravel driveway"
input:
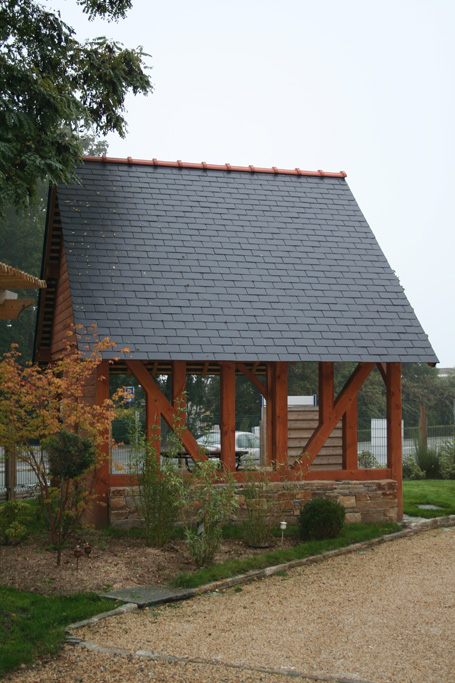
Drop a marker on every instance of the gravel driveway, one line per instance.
(385, 614)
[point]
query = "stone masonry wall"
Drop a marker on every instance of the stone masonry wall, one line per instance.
(366, 501)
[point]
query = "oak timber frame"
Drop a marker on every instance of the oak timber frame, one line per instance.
(331, 410)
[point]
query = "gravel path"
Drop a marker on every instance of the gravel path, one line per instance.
(381, 615)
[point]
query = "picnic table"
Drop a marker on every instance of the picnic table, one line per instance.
(183, 455)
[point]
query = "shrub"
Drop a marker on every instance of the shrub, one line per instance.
(260, 508)
(423, 463)
(70, 455)
(411, 470)
(366, 460)
(207, 500)
(321, 518)
(14, 517)
(447, 459)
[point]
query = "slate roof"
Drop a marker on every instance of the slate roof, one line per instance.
(205, 263)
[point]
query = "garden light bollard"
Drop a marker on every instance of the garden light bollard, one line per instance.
(283, 526)
(77, 554)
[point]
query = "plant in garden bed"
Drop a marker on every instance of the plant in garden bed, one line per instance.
(350, 534)
(260, 508)
(422, 463)
(158, 484)
(14, 518)
(207, 500)
(447, 459)
(47, 406)
(321, 518)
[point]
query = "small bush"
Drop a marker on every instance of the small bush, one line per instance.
(261, 509)
(208, 499)
(447, 459)
(366, 460)
(321, 518)
(411, 470)
(14, 518)
(423, 463)
(70, 455)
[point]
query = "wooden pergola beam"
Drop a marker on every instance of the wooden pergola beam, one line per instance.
(162, 405)
(279, 392)
(10, 309)
(253, 379)
(343, 403)
(227, 426)
(394, 440)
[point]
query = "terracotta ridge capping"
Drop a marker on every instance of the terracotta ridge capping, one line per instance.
(215, 167)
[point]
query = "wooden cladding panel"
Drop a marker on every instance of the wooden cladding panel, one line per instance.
(302, 421)
(63, 312)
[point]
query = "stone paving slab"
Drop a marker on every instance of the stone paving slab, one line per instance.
(145, 596)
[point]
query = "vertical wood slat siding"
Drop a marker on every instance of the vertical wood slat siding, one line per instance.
(302, 421)
(63, 315)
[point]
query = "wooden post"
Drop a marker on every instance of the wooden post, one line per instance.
(227, 426)
(350, 437)
(394, 444)
(423, 428)
(269, 439)
(10, 473)
(280, 414)
(326, 390)
(179, 390)
(153, 423)
(102, 486)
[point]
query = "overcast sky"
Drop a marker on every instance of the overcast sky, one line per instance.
(367, 88)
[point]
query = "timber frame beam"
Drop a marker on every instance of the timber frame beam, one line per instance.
(159, 405)
(332, 411)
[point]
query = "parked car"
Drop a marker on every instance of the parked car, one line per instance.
(244, 441)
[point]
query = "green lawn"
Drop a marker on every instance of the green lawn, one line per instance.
(33, 625)
(439, 492)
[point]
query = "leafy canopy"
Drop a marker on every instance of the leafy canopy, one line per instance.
(54, 88)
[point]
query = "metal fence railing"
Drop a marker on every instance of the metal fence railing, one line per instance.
(22, 477)
(374, 441)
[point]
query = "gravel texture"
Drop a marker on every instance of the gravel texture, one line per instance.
(378, 615)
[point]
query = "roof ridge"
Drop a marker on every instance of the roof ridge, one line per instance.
(215, 167)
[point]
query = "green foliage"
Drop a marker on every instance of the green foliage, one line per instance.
(422, 463)
(14, 518)
(447, 459)
(411, 470)
(69, 454)
(53, 88)
(34, 625)
(429, 492)
(158, 485)
(366, 460)
(260, 507)
(207, 500)
(351, 533)
(321, 518)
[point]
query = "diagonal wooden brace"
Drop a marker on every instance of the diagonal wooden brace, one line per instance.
(331, 418)
(253, 379)
(169, 413)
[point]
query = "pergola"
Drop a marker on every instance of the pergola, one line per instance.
(12, 278)
(200, 268)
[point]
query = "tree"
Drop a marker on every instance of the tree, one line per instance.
(48, 406)
(53, 89)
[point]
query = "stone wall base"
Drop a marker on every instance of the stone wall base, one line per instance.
(366, 501)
